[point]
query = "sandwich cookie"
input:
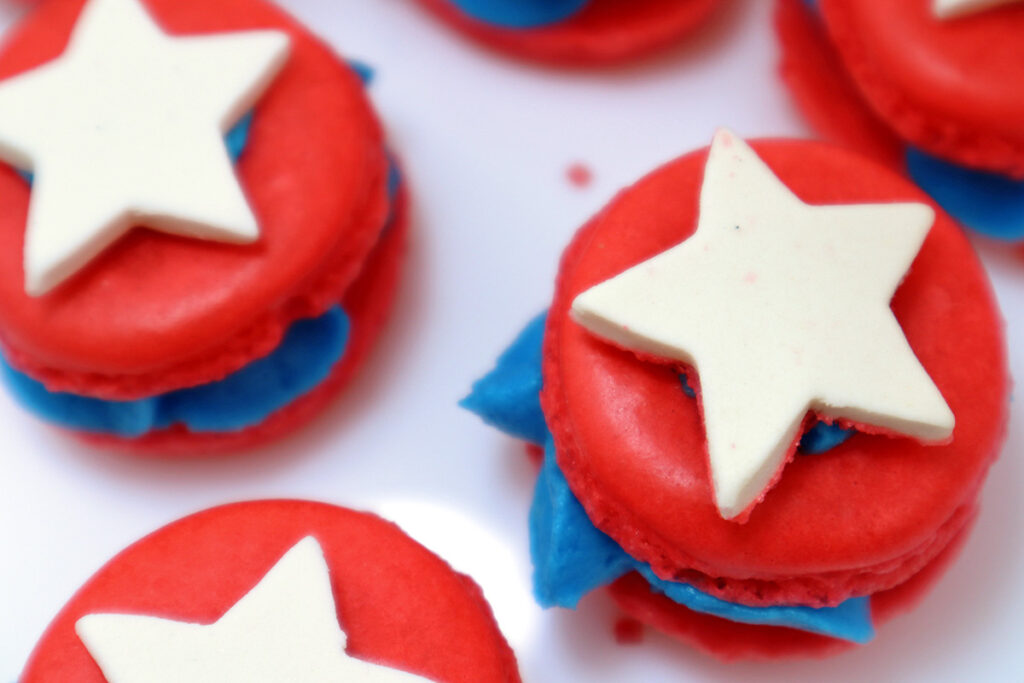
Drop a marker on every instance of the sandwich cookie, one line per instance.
(768, 391)
(202, 227)
(932, 87)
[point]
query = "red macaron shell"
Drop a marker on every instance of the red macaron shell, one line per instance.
(730, 640)
(604, 31)
(367, 303)
(826, 95)
(399, 604)
(862, 517)
(950, 87)
(157, 312)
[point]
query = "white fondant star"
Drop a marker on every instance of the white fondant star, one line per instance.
(285, 629)
(782, 307)
(950, 9)
(126, 127)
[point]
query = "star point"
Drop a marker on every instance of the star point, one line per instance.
(126, 128)
(285, 629)
(782, 308)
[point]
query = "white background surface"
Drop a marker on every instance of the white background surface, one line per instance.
(486, 142)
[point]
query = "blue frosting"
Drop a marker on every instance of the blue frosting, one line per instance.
(571, 556)
(363, 70)
(244, 398)
(238, 137)
(823, 437)
(508, 397)
(990, 203)
(521, 13)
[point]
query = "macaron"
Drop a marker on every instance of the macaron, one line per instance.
(769, 389)
(931, 87)
(574, 32)
(282, 590)
(202, 226)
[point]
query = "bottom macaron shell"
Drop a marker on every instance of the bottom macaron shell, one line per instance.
(824, 92)
(605, 31)
(728, 640)
(886, 505)
(399, 604)
(367, 302)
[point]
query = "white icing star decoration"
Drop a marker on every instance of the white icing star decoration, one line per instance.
(951, 9)
(782, 308)
(285, 629)
(126, 127)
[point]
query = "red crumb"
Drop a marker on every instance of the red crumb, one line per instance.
(536, 454)
(579, 175)
(628, 631)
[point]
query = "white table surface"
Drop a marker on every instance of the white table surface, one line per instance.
(486, 144)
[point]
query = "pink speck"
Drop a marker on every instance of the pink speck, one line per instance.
(628, 631)
(579, 175)
(750, 278)
(725, 139)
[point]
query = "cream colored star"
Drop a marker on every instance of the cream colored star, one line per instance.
(782, 308)
(285, 629)
(951, 9)
(126, 127)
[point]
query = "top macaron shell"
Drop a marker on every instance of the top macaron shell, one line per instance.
(632, 444)
(948, 86)
(604, 31)
(398, 603)
(157, 312)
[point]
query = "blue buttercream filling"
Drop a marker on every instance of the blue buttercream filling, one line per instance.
(990, 203)
(521, 13)
(304, 358)
(571, 556)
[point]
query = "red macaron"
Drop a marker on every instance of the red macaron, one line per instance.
(846, 518)
(400, 605)
(947, 86)
(157, 313)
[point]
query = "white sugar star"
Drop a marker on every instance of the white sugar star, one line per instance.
(781, 307)
(127, 126)
(285, 629)
(950, 9)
